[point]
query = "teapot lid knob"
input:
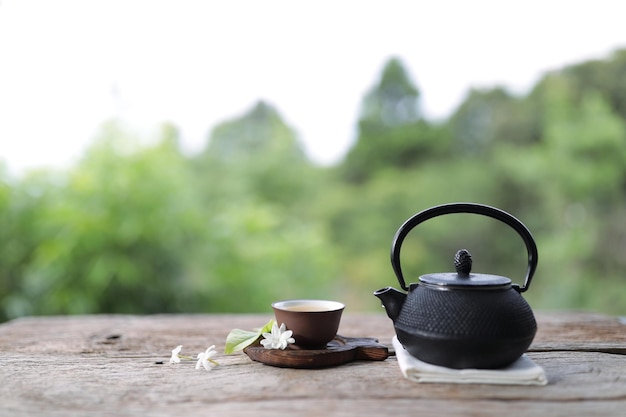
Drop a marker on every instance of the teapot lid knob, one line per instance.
(463, 263)
(463, 278)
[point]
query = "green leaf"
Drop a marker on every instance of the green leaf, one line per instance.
(239, 339)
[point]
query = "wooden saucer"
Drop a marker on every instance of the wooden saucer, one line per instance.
(338, 351)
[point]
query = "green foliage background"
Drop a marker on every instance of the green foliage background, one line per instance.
(137, 226)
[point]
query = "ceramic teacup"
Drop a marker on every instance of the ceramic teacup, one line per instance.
(314, 323)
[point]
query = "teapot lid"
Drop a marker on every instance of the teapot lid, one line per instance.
(463, 278)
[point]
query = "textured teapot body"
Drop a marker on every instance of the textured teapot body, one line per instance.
(465, 328)
(462, 320)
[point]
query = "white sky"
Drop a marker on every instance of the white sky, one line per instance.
(67, 66)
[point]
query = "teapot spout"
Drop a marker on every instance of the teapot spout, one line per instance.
(392, 300)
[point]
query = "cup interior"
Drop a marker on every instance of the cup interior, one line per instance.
(308, 305)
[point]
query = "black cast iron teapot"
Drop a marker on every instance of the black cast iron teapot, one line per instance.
(462, 319)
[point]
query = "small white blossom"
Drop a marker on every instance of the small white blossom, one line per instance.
(175, 352)
(279, 338)
(204, 358)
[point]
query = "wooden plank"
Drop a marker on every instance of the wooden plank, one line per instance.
(118, 365)
(580, 332)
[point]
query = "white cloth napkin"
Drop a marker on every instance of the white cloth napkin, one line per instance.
(521, 372)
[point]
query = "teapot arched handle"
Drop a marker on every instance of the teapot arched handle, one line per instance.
(471, 208)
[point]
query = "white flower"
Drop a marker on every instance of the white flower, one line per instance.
(175, 352)
(279, 338)
(204, 358)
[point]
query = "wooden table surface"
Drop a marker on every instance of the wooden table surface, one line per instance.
(119, 366)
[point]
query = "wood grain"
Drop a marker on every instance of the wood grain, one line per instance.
(118, 366)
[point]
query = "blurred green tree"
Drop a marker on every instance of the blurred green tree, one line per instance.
(22, 204)
(493, 115)
(113, 232)
(391, 130)
(260, 152)
(260, 193)
(604, 77)
(570, 187)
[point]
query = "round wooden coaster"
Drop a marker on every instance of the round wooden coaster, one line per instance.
(338, 351)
